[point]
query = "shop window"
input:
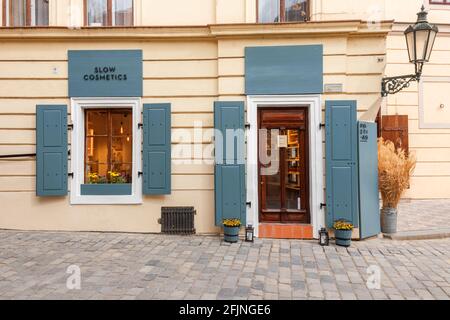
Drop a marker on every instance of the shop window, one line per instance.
(109, 13)
(106, 151)
(109, 146)
(20, 13)
(270, 11)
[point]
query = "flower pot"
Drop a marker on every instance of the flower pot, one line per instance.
(388, 220)
(343, 237)
(231, 234)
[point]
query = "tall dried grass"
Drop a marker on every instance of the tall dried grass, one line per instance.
(394, 171)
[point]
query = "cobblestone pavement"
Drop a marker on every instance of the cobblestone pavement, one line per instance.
(33, 265)
(423, 215)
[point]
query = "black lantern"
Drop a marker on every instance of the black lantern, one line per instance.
(324, 238)
(419, 40)
(249, 233)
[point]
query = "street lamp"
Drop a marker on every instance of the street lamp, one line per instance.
(419, 40)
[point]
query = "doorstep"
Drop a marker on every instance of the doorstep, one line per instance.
(419, 234)
(285, 231)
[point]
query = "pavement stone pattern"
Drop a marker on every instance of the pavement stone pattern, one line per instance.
(34, 265)
(423, 215)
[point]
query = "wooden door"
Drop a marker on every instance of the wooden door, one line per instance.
(283, 165)
(395, 129)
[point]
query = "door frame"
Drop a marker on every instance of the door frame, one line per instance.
(316, 168)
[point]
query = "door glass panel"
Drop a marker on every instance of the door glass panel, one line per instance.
(293, 171)
(273, 192)
(272, 177)
(284, 172)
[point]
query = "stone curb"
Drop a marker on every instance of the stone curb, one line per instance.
(419, 234)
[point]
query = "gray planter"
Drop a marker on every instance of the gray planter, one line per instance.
(231, 234)
(388, 220)
(343, 237)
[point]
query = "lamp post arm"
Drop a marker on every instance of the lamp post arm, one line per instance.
(392, 85)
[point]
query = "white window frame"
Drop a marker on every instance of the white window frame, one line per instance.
(78, 105)
(316, 169)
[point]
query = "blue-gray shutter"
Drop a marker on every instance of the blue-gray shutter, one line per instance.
(157, 149)
(229, 170)
(51, 150)
(341, 162)
(369, 203)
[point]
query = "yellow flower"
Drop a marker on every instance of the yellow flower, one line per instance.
(343, 225)
(114, 174)
(93, 177)
(232, 222)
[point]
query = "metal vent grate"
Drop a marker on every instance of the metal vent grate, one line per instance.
(177, 220)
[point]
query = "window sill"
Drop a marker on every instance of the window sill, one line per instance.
(107, 194)
(106, 189)
(107, 199)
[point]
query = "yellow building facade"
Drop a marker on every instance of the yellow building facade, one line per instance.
(193, 55)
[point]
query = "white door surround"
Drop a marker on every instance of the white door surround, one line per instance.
(316, 174)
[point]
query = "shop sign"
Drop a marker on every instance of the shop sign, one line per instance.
(282, 141)
(105, 73)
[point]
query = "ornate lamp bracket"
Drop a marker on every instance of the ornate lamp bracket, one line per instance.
(392, 85)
